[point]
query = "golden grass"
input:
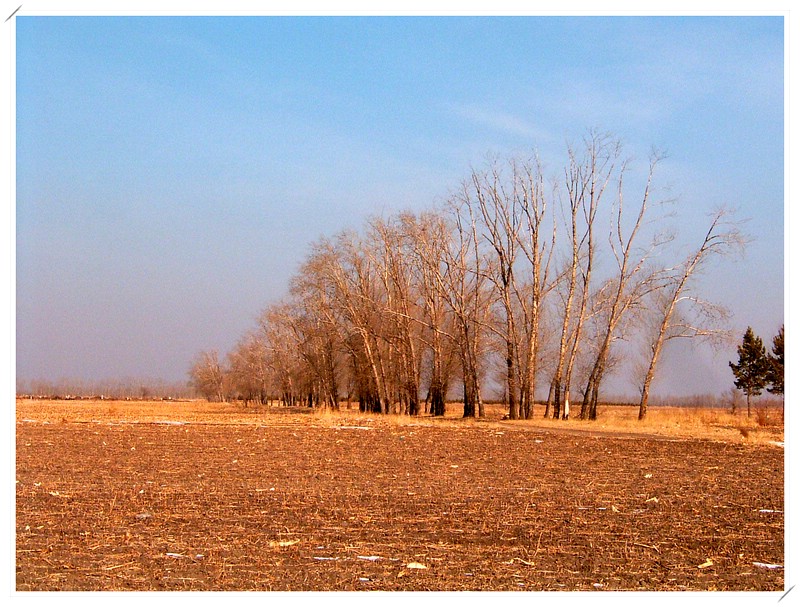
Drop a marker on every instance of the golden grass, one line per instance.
(763, 426)
(87, 411)
(678, 422)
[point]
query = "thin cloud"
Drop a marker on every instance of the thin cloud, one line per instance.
(499, 121)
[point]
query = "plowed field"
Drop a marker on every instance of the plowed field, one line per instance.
(108, 500)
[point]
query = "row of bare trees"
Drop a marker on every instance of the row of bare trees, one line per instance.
(517, 280)
(107, 389)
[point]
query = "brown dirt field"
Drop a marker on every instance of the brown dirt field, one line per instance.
(190, 496)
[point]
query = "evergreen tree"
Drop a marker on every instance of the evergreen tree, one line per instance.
(752, 370)
(775, 378)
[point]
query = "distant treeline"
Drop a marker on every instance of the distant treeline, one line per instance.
(124, 389)
(730, 400)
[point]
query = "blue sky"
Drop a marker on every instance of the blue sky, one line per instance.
(172, 171)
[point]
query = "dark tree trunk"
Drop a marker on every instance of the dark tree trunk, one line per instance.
(557, 399)
(469, 402)
(437, 399)
(513, 406)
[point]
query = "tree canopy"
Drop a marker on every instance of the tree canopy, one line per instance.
(775, 375)
(751, 372)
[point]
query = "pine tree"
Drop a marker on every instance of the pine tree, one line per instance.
(775, 377)
(752, 370)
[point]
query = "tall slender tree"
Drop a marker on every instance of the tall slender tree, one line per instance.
(632, 282)
(586, 178)
(429, 237)
(698, 317)
(501, 224)
(465, 289)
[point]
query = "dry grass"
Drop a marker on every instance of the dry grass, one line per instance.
(677, 422)
(764, 426)
(87, 411)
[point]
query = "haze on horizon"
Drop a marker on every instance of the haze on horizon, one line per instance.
(173, 171)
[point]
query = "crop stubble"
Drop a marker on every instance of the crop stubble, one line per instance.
(297, 503)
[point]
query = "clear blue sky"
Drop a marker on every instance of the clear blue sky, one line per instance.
(172, 171)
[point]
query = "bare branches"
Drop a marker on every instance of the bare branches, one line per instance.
(681, 314)
(208, 377)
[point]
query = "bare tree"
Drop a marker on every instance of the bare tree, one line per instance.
(511, 204)
(317, 325)
(354, 282)
(282, 353)
(631, 283)
(429, 237)
(501, 223)
(402, 322)
(249, 369)
(681, 315)
(208, 377)
(463, 286)
(586, 178)
(538, 251)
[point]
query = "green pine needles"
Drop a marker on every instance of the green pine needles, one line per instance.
(756, 369)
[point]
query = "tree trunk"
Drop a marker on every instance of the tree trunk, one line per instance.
(437, 399)
(469, 404)
(646, 387)
(513, 405)
(549, 402)
(557, 398)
